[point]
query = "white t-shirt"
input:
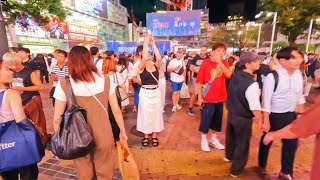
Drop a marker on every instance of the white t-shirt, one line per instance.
(173, 64)
(98, 64)
(122, 77)
(130, 68)
(80, 88)
(135, 70)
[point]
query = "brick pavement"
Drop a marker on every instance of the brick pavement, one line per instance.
(178, 155)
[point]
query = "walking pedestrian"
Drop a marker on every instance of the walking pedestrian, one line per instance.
(282, 99)
(89, 87)
(243, 105)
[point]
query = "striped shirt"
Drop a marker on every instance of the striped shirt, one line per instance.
(59, 72)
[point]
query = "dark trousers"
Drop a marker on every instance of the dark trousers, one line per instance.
(136, 91)
(26, 173)
(44, 73)
(289, 146)
(238, 136)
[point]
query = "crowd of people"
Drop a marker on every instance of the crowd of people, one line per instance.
(253, 86)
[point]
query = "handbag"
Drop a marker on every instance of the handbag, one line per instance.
(120, 90)
(127, 165)
(184, 92)
(206, 87)
(72, 139)
(181, 70)
(20, 144)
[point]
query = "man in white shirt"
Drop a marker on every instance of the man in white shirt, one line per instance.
(282, 100)
(96, 59)
(177, 71)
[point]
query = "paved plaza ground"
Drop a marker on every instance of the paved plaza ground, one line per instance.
(178, 156)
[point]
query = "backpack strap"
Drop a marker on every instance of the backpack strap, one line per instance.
(1, 96)
(276, 80)
(122, 69)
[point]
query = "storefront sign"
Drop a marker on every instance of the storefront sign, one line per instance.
(80, 32)
(129, 47)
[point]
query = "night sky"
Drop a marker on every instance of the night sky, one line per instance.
(219, 9)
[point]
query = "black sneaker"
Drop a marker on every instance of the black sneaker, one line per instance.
(190, 111)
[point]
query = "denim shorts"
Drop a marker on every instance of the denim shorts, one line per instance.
(176, 86)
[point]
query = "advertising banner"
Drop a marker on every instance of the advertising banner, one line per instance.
(57, 29)
(26, 25)
(80, 32)
(178, 23)
(92, 7)
(129, 47)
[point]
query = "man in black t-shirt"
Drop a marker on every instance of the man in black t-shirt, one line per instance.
(26, 59)
(194, 67)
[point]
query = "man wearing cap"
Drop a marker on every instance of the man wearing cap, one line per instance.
(280, 105)
(243, 103)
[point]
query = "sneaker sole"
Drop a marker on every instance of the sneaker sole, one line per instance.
(215, 146)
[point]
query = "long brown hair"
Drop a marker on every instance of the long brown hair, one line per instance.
(80, 64)
(108, 65)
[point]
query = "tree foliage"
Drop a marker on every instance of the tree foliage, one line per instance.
(238, 37)
(41, 10)
(293, 15)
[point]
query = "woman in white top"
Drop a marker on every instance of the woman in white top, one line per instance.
(122, 75)
(11, 109)
(89, 88)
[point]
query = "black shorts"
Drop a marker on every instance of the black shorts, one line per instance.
(211, 117)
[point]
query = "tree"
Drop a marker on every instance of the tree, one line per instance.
(293, 15)
(238, 36)
(41, 10)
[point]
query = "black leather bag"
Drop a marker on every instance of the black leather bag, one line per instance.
(73, 139)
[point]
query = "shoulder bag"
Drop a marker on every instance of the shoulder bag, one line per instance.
(120, 90)
(72, 139)
(20, 144)
(206, 87)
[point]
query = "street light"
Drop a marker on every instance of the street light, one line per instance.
(273, 28)
(259, 33)
(309, 34)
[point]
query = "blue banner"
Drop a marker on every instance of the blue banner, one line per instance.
(178, 23)
(129, 47)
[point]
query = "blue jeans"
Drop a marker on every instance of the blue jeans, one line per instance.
(136, 91)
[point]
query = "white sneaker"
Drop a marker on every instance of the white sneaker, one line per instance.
(174, 109)
(205, 146)
(226, 159)
(178, 106)
(216, 143)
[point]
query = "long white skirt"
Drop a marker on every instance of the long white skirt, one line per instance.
(150, 117)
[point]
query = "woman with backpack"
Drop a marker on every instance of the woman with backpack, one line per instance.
(93, 92)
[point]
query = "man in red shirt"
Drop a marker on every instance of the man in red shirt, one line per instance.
(212, 102)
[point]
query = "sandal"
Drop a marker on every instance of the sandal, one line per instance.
(145, 142)
(155, 142)
(134, 109)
